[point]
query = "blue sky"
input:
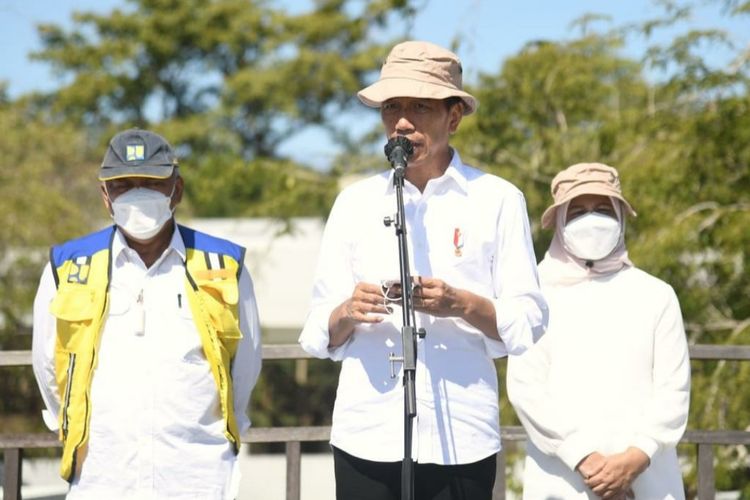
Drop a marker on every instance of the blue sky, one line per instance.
(489, 30)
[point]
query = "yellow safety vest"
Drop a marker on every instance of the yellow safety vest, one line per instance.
(82, 269)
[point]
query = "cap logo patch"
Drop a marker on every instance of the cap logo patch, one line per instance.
(135, 152)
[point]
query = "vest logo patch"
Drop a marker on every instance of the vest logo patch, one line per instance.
(79, 270)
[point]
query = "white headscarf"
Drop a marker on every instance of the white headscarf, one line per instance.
(561, 267)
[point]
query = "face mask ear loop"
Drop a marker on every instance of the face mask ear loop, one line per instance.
(620, 214)
(561, 216)
(174, 186)
(109, 199)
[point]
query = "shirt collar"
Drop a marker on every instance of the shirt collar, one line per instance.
(120, 244)
(456, 172)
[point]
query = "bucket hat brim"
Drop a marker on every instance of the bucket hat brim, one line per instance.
(548, 217)
(388, 88)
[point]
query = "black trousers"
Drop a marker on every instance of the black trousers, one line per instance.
(359, 479)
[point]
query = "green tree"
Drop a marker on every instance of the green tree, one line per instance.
(228, 82)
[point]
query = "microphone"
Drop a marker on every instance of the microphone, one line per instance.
(398, 150)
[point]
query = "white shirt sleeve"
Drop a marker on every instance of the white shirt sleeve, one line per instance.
(520, 308)
(248, 358)
(43, 348)
(333, 284)
(665, 417)
(552, 428)
(547, 424)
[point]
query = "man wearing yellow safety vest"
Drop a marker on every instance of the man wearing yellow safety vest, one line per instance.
(146, 341)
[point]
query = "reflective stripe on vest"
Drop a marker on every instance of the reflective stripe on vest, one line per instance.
(82, 271)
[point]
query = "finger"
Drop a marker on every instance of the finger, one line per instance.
(593, 484)
(597, 481)
(371, 299)
(377, 307)
(367, 318)
(423, 282)
(367, 288)
(360, 311)
(367, 297)
(599, 489)
(606, 488)
(597, 468)
(613, 493)
(367, 313)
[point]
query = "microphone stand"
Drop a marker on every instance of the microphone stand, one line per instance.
(409, 333)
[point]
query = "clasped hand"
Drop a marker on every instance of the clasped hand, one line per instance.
(611, 477)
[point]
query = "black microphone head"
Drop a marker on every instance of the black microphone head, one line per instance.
(399, 141)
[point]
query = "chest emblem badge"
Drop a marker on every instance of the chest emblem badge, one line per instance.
(458, 242)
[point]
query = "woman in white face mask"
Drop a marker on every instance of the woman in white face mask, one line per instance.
(604, 394)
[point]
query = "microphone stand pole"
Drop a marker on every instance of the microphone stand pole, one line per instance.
(408, 336)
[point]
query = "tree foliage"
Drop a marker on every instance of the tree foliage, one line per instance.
(229, 82)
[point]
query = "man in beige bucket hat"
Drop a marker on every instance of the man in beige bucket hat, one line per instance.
(477, 296)
(604, 394)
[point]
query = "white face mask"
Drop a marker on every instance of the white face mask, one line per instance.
(592, 236)
(142, 212)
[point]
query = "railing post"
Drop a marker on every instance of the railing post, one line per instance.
(293, 467)
(498, 491)
(706, 481)
(12, 473)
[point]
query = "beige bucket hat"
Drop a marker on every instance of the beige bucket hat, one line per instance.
(422, 70)
(584, 178)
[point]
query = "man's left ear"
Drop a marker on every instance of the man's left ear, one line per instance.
(179, 186)
(456, 114)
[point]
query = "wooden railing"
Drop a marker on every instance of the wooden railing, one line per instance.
(13, 445)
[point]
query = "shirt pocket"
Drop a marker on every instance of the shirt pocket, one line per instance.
(75, 308)
(221, 298)
(126, 313)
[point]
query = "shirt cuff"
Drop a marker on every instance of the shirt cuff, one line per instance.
(315, 338)
(50, 420)
(576, 447)
(520, 323)
(495, 348)
(646, 444)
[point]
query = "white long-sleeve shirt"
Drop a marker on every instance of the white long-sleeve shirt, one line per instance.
(612, 371)
(156, 429)
(469, 229)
